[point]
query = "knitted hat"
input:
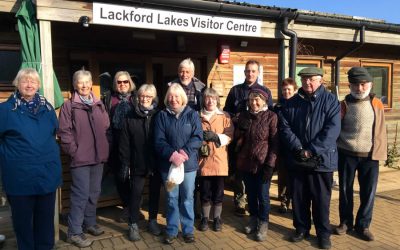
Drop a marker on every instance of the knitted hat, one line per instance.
(311, 71)
(261, 93)
(359, 74)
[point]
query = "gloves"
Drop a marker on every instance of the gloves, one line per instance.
(183, 153)
(123, 173)
(177, 159)
(268, 171)
(210, 136)
(300, 155)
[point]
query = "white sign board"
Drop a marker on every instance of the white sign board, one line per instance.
(239, 77)
(136, 17)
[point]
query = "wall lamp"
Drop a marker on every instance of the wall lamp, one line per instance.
(84, 20)
(244, 44)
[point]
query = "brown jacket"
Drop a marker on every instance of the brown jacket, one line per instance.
(379, 149)
(216, 164)
(257, 136)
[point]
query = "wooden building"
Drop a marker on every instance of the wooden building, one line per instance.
(149, 38)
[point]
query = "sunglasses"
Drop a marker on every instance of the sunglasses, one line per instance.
(124, 81)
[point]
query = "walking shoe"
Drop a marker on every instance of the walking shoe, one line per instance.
(365, 234)
(342, 229)
(324, 243)
(240, 211)
(79, 240)
(124, 216)
(283, 208)
(217, 225)
(153, 227)
(299, 236)
(133, 232)
(262, 231)
(252, 226)
(94, 230)
(189, 238)
(169, 239)
(203, 226)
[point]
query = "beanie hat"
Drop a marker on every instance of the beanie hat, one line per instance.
(262, 93)
(359, 74)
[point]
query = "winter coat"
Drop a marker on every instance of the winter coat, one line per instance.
(172, 134)
(199, 87)
(379, 148)
(83, 131)
(257, 140)
(312, 123)
(238, 96)
(216, 163)
(29, 154)
(136, 144)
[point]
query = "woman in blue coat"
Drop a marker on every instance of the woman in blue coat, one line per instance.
(178, 136)
(30, 161)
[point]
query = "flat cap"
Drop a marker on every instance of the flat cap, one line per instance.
(311, 71)
(359, 74)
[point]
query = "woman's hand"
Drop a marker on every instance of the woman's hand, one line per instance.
(177, 158)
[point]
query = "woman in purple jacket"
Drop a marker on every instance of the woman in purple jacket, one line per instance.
(83, 133)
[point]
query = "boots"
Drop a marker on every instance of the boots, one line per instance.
(262, 230)
(252, 226)
(133, 232)
(205, 210)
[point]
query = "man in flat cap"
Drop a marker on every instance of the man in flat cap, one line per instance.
(309, 127)
(236, 102)
(362, 144)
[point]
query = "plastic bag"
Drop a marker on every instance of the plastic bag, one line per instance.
(175, 176)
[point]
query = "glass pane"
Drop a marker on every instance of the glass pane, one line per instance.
(10, 62)
(299, 67)
(380, 76)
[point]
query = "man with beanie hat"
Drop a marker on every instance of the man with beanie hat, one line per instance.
(236, 102)
(309, 127)
(362, 144)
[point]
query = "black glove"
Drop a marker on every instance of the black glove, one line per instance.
(310, 164)
(124, 172)
(300, 155)
(211, 136)
(268, 171)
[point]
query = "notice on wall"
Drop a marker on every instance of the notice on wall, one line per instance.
(118, 15)
(239, 77)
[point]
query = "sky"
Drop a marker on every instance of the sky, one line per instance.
(387, 10)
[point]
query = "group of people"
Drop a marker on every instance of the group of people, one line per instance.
(306, 136)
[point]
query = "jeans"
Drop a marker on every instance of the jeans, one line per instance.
(180, 205)
(85, 191)
(368, 171)
(257, 195)
(33, 220)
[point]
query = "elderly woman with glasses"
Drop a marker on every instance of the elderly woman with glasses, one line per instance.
(118, 103)
(136, 148)
(83, 130)
(178, 136)
(30, 161)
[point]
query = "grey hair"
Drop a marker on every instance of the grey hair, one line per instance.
(132, 85)
(148, 87)
(176, 88)
(79, 74)
(186, 63)
(213, 93)
(26, 73)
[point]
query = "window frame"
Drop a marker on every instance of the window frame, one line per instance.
(7, 86)
(315, 62)
(389, 66)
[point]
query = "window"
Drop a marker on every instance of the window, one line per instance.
(382, 78)
(301, 64)
(10, 62)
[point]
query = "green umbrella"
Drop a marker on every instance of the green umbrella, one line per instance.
(30, 41)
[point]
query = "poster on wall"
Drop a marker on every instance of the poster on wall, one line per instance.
(239, 77)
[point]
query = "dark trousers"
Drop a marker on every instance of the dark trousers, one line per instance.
(137, 184)
(123, 187)
(257, 195)
(368, 171)
(85, 191)
(33, 220)
(211, 190)
(283, 182)
(311, 188)
(155, 183)
(239, 189)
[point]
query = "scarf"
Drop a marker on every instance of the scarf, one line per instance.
(121, 111)
(32, 105)
(177, 112)
(208, 114)
(87, 100)
(262, 109)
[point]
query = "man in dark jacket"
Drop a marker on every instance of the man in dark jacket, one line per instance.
(236, 102)
(310, 126)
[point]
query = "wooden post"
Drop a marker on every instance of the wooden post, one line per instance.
(48, 90)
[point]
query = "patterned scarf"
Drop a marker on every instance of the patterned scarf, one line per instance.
(87, 100)
(32, 105)
(121, 111)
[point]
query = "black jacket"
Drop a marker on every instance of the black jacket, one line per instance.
(136, 142)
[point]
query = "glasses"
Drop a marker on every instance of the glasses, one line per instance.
(123, 82)
(145, 97)
(309, 78)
